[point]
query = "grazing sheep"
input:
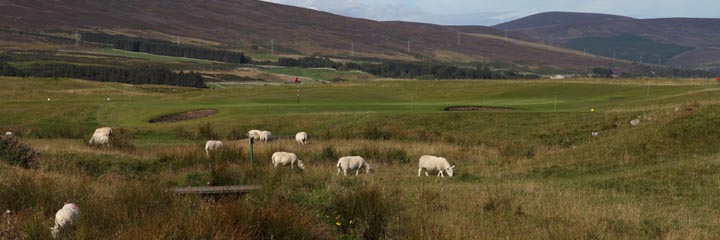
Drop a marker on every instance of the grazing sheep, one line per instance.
(254, 134)
(283, 158)
(101, 136)
(212, 145)
(100, 139)
(352, 163)
(635, 122)
(8, 133)
(595, 134)
(265, 136)
(433, 163)
(64, 218)
(104, 130)
(301, 138)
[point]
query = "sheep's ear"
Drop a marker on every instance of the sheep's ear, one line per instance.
(453, 166)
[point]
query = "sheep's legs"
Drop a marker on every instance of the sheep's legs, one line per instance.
(338, 172)
(357, 171)
(345, 172)
(440, 174)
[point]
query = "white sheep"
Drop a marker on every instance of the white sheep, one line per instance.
(433, 163)
(65, 217)
(635, 122)
(595, 134)
(101, 136)
(283, 158)
(212, 145)
(301, 138)
(265, 136)
(100, 139)
(254, 134)
(352, 163)
(8, 133)
(104, 130)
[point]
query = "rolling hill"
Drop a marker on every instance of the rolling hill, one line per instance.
(556, 18)
(251, 24)
(696, 41)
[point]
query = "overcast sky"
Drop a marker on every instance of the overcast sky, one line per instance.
(491, 12)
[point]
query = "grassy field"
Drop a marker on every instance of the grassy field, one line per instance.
(146, 56)
(322, 74)
(532, 172)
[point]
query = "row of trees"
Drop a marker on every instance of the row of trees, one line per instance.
(139, 75)
(397, 69)
(159, 47)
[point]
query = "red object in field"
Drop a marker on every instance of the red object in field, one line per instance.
(718, 79)
(297, 80)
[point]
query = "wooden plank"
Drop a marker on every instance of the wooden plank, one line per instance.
(215, 190)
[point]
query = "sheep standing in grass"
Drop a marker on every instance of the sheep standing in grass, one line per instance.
(8, 133)
(64, 218)
(104, 130)
(265, 136)
(285, 158)
(212, 145)
(352, 163)
(433, 163)
(101, 136)
(301, 138)
(595, 134)
(254, 134)
(100, 139)
(635, 122)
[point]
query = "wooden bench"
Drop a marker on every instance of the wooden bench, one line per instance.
(215, 191)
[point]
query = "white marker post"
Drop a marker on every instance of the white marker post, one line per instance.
(297, 86)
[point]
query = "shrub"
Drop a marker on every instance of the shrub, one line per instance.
(182, 133)
(329, 153)
(15, 153)
(361, 211)
(375, 133)
(122, 139)
(206, 132)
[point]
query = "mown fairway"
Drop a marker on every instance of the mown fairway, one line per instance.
(534, 172)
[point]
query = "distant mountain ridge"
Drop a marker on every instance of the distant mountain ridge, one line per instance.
(246, 24)
(700, 37)
(553, 18)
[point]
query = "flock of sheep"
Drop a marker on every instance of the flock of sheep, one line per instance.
(356, 163)
(70, 213)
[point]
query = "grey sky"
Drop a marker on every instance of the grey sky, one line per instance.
(490, 12)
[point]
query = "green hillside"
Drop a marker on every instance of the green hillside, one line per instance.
(627, 46)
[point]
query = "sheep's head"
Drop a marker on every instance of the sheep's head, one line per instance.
(301, 165)
(367, 168)
(450, 171)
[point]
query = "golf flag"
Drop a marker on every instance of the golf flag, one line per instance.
(296, 79)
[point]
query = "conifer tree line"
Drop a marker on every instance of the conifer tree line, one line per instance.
(398, 69)
(137, 75)
(159, 47)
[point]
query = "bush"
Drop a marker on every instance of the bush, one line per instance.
(206, 132)
(329, 154)
(122, 139)
(15, 153)
(182, 133)
(374, 133)
(361, 211)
